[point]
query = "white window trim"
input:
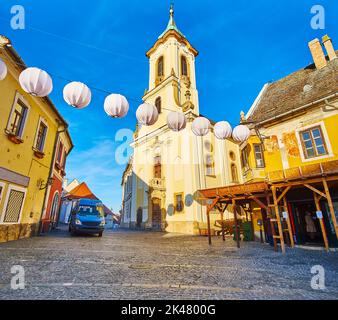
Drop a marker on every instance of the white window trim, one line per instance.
(41, 120)
(2, 185)
(326, 138)
(18, 96)
(9, 189)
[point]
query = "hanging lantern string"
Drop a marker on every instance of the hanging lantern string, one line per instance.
(86, 45)
(68, 80)
(92, 87)
(136, 100)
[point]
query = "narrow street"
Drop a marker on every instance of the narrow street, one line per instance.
(133, 265)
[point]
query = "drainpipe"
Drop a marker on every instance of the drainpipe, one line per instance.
(50, 173)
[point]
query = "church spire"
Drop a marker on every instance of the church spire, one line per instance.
(172, 23)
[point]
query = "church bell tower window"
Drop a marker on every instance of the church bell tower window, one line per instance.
(184, 66)
(158, 104)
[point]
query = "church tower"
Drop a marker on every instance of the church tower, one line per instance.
(172, 78)
(168, 168)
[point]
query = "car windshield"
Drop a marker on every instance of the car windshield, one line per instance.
(91, 211)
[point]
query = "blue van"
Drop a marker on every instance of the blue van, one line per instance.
(87, 217)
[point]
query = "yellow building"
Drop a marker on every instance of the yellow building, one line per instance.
(161, 182)
(294, 146)
(30, 130)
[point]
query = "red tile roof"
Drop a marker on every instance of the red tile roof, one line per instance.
(81, 192)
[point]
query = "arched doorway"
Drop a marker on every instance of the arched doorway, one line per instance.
(54, 210)
(139, 218)
(156, 214)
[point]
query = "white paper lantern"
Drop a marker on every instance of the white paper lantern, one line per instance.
(147, 114)
(3, 70)
(201, 126)
(222, 130)
(36, 82)
(241, 133)
(176, 121)
(116, 106)
(77, 94)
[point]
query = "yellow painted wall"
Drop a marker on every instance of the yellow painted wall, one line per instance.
(20, 158)
(283, 149)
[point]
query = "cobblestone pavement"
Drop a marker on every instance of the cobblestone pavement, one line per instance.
(134, 265)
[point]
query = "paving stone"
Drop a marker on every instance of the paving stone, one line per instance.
(135, 265)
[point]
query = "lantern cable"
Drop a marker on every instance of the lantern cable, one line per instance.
(83, 44)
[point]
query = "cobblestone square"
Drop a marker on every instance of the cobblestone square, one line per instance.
(135, 265)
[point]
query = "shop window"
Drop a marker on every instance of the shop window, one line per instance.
(179, 204)
(313, 143)
(259, 156)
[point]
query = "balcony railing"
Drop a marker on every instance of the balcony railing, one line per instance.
(307, 171)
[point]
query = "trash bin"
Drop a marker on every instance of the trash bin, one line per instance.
(247, 231)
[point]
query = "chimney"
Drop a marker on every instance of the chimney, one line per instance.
(317, 54)
(327, 42)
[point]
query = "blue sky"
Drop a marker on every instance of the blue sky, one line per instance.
(242, 44)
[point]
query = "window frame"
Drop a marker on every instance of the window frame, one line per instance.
(176, 203)
(59, 160)
(158, 75)
(18, 97)
(183, 57)
(158, 164)
(3, 213)
(210, 165)
(262, 154)
(2, 192)
(44, 122)
(234, 165)
(314, 145)
(245, 151)
(158, 101)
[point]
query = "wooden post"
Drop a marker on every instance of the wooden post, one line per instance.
(285, 203)
(209, 208)
(209, 228)
(322, 227)
(252, 222)
(237, 233)
(272, 226)
(332, 211)
(278, 219)
(222, 218)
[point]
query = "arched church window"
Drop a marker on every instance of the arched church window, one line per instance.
(160, 67)
(210, 165)
(158, 168)
(158, 104)
(184, 66)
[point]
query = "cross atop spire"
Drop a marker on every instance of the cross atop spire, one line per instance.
(172, 23)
